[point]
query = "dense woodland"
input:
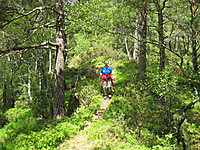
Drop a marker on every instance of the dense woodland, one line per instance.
(50, 55)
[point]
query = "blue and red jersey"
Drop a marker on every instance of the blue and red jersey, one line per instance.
(106, 73)
(106, 70)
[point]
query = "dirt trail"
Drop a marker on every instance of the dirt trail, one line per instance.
(80, 141)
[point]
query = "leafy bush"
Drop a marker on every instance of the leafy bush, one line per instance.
(15, 114)
(47, 138)
(26, 134)
(107, 134)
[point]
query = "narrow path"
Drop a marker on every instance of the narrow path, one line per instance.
(80, 141)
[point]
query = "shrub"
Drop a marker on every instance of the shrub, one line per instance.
(15, 114)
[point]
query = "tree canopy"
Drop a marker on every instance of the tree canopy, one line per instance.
(51, 52)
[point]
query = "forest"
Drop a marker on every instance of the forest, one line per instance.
(51, 52)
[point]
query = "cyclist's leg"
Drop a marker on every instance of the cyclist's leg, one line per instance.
(104, 88)
(110, 89)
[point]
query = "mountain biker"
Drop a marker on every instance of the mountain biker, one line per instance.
(105, 73)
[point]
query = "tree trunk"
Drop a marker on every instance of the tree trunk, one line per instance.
(161, 38)
(59, 107)
(50, 65)
(29, 84)
(126, 45)
(142, 59)
(136, 47)
(194, 36)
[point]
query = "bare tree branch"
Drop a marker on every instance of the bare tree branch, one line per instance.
(17, 49)
(179, 136)
(53, 48)
(47, 47)
(163, 7)
(28, 13)
(47, 25)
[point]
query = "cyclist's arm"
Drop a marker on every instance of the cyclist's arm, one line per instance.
(100, 72)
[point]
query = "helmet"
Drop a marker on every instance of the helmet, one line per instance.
(106, 61)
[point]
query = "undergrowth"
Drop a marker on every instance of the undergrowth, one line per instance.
(141, 115)
(45, 134)
(152, 109)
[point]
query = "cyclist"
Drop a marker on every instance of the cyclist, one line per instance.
(106, 73)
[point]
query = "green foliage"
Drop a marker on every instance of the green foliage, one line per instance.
(151, 110)
(191, 133)
(146, 111)
(27, 132)
(40, 134)
(107, 134)
(46, 138)
(89, 46)
(135, 119)
(2, 120)
(15, 114)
